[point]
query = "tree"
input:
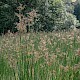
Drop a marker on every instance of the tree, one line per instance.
(7, 17)
(77, 11)
(51, 15)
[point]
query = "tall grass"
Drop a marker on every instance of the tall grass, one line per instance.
(40, 56)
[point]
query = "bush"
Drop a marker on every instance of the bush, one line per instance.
(71, 21)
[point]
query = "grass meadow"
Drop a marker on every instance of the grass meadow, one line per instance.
(40, 56)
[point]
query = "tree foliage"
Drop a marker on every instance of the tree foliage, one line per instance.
(7, 17)
(50, 14)
(77, 10)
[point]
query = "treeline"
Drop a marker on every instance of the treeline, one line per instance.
(38, 15)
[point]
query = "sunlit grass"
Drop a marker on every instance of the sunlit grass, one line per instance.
(40, 56)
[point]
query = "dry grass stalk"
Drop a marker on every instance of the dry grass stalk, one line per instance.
(23, 20)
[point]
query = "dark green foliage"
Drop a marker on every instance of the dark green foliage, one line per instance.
(7, 13)
(77, 11)
(7, 18)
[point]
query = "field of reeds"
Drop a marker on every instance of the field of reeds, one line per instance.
(40, 56)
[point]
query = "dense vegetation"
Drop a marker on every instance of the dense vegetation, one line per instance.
(41, 41)
(41, 56)
(39, 15)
